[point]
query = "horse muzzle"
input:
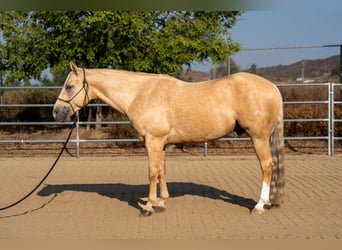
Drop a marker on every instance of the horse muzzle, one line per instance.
(61, 113)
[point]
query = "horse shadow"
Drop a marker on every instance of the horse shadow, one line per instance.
(131, 194)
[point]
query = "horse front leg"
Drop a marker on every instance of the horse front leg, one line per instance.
(156, 159)
(164, 193)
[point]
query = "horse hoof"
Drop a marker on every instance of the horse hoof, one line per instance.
(145, 213)
(271, 206)
(159, 209)
(275, 206)
(257, 211)
(267, 206)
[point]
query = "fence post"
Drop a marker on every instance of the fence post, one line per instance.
(77, 136)
(331, 119)
(340, 74)
(206, 149)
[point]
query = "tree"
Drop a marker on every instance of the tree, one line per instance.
(20, 40)
(158, 41)
(220, 69)
(253, 69)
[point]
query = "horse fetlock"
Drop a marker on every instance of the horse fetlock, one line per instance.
(159, 206)
(146, 206)
(160, 202)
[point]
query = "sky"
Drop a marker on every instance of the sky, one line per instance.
(285, 28)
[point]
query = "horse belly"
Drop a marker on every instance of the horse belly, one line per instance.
(201, 127)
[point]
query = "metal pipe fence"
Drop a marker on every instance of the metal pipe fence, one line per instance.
(330, 119)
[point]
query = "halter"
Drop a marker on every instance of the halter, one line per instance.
(85, 87)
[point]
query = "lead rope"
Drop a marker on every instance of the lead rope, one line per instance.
(47, 174)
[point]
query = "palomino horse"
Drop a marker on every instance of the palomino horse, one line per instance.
(166, 110)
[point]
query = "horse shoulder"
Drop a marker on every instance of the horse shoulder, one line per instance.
(149, 114)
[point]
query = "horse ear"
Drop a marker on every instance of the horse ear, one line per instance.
(73, 67)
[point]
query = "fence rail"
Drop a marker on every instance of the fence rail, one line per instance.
(330, 119)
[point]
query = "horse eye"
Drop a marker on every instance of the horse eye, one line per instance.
(69, 87)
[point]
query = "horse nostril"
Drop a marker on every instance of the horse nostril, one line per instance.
(54, 113)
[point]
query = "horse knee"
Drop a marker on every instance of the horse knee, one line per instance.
(153, 175)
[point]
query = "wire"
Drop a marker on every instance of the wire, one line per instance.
(293, 47)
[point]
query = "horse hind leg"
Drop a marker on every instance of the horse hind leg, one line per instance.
(263, 152)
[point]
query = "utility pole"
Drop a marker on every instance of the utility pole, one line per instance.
(228, 65)
(340, 74)
(303, 65)
(213, 70)
(340, 68)
(1, 85)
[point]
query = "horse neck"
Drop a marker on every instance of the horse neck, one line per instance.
(113, 88)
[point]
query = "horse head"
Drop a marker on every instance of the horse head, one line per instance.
(73, 96)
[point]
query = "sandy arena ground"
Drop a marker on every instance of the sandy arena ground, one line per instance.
(211, 198)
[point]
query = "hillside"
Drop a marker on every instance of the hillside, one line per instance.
(320, 70)
(194, 76)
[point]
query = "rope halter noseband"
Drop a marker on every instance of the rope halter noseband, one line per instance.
(85, 87)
